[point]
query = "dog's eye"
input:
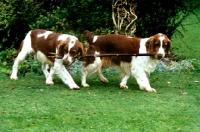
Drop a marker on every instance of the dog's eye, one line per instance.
(165, 45)
(66, 51)
(73, 52)
(157, 44)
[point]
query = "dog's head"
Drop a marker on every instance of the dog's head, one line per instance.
(158, 45)
(69, 50)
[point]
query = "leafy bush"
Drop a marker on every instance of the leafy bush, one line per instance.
(75, 16)
(16, 15)
(7, 56)
(19, 16)
(6, 60)
(29, 65)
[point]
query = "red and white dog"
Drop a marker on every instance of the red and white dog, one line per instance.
(137, 66)
(42, 44)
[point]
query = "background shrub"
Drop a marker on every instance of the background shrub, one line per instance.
(19, 16)
(15, 18)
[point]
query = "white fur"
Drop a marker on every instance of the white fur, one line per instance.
(63, 37)
(140, 67)
(95, 39)
(56, 68)
(71, 44)
(161, 50)
(64, 74)
(45, 35)
(91, 69)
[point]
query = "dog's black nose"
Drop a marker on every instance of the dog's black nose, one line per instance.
(160, 56)
(66, 63)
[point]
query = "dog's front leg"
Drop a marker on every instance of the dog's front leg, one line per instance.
(124, 81)
(49, 76)
(84, 73)
(143, 82)
(64, 74)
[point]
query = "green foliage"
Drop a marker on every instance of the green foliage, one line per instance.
(164, 16)
(76, 16)
(15, 17)
(29, 65)
(55, 21)
(7, 56)
(6, 60)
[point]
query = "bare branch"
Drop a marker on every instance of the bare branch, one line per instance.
(123, 20)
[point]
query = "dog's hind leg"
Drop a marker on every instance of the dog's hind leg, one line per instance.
(21, 57)
(25, 49)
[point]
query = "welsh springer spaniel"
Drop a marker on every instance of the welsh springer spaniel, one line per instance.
(137, 66)
(43, 44)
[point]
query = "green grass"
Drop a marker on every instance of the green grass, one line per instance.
(188, 46)
(29, 105)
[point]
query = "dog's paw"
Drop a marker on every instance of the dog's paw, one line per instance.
(151, 90)
(123, 86)
(85, 85)
(49, 83)
(14, 78)
(74, 87)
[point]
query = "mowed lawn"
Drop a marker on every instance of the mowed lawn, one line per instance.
(28, 105)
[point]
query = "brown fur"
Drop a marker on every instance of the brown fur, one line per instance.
(49, 45)
(153, 44)
(112, 44)
(138, 67)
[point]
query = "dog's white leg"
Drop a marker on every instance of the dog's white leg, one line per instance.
(49, 75)
(124, 81)
(84, 74)
(64, 74)
(21, 57)
(143, 82)
(91, 69)
(45, 68)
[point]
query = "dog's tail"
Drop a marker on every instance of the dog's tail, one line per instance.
(88, 36)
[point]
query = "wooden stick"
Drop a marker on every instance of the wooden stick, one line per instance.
(54, 55)
(104, 55)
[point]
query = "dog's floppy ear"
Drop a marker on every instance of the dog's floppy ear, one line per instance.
(61, 46)
(150, 45)
(169, 43)
(82, 53)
